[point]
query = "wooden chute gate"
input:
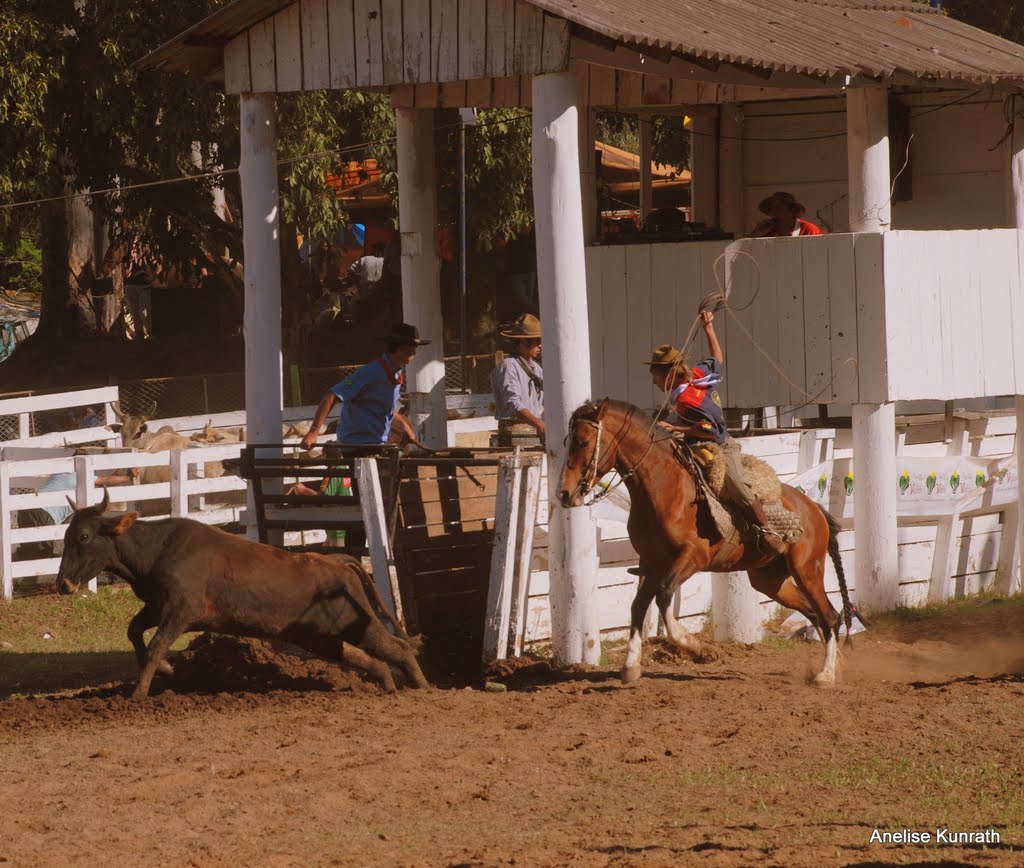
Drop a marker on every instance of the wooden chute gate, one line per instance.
(449, 537)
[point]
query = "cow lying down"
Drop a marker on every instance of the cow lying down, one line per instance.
(194, 577)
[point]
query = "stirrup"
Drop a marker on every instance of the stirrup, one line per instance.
(761, 535)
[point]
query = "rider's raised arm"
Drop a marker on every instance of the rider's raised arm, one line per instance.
(714, 347)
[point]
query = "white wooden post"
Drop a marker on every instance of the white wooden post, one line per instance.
(563, 305)
(704, 196)
(503, 559)
(421, 273)
(371, 501)
(735, 609)
(944, 552)
(264, 388)
(24, 425)
(528, 522)
(179, 476)
(867, 132)
(645, 135)
(6, 558)
(876, 484)
(86, 493)
(730, 169)
(1015, 575)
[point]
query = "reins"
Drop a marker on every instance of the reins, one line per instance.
(591, 476)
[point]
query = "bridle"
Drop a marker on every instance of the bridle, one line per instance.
(589, 478)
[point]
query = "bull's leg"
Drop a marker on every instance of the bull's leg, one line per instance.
(143, 621)
(358, 657)
(380, 643)
(159, 645)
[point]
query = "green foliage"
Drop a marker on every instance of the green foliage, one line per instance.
(670, 140)
(1005, 18)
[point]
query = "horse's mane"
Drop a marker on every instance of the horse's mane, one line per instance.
(591, 407)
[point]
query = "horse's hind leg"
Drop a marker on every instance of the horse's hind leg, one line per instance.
(678, 635)
(808, 571)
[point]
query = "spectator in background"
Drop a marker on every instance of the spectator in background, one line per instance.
(785, 217)
(518, 385)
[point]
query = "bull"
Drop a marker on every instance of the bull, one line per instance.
(193, 577)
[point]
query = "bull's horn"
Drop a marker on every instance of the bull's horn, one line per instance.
(74, 506)
(116, 407)
(106, 500)
(151, 412)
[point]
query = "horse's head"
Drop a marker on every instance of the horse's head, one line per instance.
(589, 455)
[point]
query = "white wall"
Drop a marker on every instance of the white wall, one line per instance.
(958, 182)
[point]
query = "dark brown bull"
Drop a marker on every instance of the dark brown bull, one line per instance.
(194, 577)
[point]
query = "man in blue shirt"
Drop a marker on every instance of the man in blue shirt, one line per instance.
(369, 395)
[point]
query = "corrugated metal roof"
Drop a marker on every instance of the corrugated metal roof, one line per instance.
(822, 38)
(816, 37)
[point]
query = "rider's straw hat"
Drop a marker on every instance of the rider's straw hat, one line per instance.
(666, 355)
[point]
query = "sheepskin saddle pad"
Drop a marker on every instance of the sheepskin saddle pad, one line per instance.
(763, 482)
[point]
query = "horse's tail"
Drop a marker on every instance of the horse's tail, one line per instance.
(837, 561)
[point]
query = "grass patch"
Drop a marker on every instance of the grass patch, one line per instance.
(910, 615)
(87, 645)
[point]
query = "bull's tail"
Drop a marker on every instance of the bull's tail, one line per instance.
(382, 610)
(833, 550)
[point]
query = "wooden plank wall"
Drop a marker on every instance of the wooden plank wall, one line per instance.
(805, 313)
(954, 314)
(477, 50)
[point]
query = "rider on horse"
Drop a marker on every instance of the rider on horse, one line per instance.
(696, 413)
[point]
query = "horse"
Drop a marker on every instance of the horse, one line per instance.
(663, 528)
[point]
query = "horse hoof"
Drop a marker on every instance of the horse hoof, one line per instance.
(706, 655)
(631, 674)
(823, 680)
(164, 668)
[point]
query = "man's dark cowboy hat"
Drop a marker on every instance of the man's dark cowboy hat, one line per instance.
(665, 356)
(403, 333)
(785, 198)
(527, 327)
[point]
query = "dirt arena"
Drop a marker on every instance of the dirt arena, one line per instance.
(246, 756)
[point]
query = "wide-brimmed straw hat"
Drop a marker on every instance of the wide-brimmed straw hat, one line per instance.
(666, 355)
(787, 199)
(403, 333)
(526, 328)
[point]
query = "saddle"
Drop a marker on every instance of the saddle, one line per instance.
(706, 465)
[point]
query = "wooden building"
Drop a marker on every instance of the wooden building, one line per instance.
(915, 295)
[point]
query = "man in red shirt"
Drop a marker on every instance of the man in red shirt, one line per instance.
(785, 217)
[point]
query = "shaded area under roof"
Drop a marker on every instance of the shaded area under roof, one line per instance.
(822, 38)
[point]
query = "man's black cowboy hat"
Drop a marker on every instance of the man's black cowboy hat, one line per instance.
(403, 333)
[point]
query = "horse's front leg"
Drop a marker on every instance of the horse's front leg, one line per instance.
(646, 589)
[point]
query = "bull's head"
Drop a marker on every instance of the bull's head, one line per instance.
(89, 543)
(588, 457)
(131, 427)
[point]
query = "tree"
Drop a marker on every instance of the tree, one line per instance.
(1005, 18)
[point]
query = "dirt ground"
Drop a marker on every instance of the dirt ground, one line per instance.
(247, 756)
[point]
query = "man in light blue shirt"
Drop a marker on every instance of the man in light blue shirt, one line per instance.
(518, 384)
(369, 396)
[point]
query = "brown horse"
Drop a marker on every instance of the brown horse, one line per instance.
(663, 529)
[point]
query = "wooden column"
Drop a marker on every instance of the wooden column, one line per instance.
(264, 390)
(421, 273)
(645, 135)
(736, 612)
(588, 175)
(874, 425)
(867, 143)
(730, 170)
(562, 281)
(704, 180)
(1016, 577)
